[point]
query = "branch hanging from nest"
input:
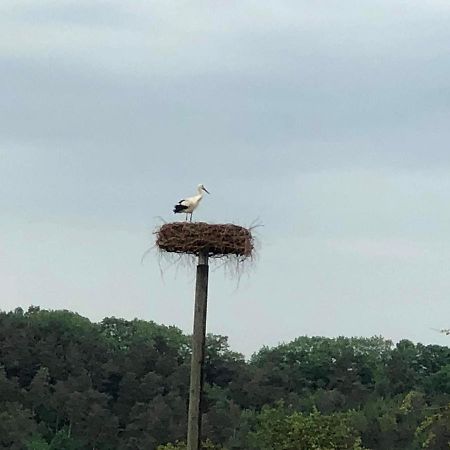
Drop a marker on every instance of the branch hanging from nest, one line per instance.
(218, 240)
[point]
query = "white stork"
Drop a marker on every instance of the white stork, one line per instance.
(188, 205)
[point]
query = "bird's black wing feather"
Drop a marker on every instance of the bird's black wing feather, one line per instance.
(179, 208)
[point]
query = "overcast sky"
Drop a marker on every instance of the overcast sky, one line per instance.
(328, 122)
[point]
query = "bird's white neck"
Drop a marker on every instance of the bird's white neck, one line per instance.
(200, 191)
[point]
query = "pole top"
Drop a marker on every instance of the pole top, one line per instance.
(203, 258)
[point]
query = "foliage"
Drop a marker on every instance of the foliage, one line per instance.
(281, 430)
(69, 384)
(206, 445)
(434, 432)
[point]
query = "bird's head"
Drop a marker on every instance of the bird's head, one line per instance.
(202, 188)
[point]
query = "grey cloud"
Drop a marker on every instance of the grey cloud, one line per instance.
(327, 120)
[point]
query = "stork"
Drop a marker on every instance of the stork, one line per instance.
(188, 205)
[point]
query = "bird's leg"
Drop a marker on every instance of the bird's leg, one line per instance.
(191, 218)
(186, 216)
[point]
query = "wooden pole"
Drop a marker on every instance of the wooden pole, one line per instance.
(198, 354)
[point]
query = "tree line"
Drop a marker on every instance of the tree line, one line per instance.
(69, 384)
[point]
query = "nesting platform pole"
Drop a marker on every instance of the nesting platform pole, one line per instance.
(198, 354)
(202, 240)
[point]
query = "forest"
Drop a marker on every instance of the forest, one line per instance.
(67, 383)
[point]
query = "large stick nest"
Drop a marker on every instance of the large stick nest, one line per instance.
(218, 240)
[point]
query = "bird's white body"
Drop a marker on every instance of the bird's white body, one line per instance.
(189, 204)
